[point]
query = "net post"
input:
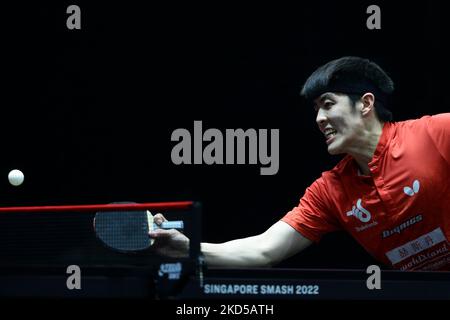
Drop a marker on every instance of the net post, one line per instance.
(195, 243)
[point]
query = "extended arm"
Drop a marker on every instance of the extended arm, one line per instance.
(279, 242)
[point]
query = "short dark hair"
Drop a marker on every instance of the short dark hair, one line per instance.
(353, 76)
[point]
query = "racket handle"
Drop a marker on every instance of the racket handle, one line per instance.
(169, 225)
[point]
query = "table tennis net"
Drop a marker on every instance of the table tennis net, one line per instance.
(60, 238)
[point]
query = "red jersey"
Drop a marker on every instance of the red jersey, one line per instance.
(400, 213)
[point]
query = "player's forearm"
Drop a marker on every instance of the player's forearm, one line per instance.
(245, 252)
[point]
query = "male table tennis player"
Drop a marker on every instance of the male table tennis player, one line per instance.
(391, 191)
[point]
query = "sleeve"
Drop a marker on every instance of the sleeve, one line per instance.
(313, 217)
(438, 127)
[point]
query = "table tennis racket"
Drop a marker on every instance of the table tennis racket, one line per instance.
(127, 231)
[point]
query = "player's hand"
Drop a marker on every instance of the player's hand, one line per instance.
(171, 242)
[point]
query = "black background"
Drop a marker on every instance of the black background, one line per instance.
(87, 114)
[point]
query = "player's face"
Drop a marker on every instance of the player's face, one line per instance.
(339, 121)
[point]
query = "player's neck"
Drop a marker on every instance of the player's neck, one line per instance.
(364, 150)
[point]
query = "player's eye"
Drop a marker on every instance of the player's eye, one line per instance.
(328, 104)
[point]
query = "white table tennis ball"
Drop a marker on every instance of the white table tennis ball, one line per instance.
(16, 177)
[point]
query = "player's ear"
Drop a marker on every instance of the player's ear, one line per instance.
(368, 104)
